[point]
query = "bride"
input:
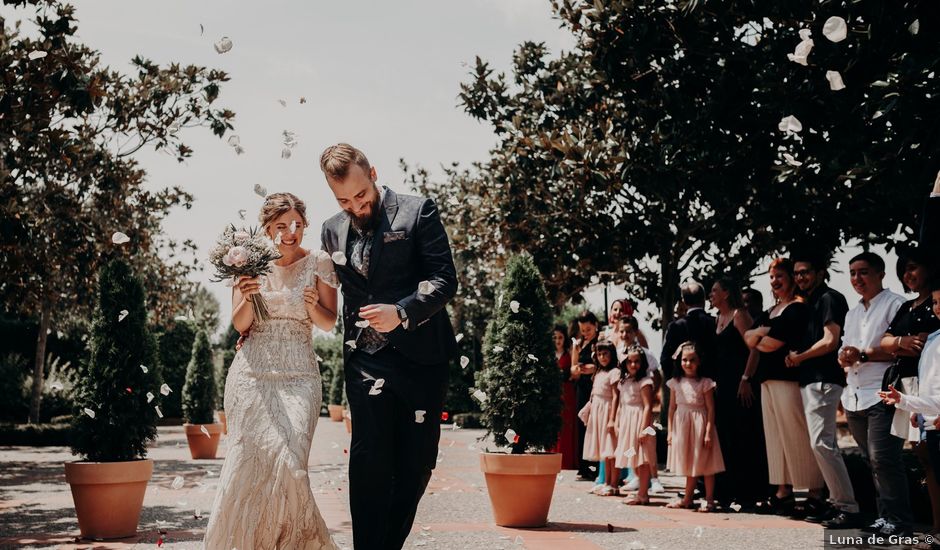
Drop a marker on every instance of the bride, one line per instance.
(273, 395)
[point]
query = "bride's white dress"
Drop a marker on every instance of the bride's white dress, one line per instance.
(272, 402)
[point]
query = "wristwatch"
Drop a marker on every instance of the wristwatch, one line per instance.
(863, 357)
(402, 316)
(745, 377)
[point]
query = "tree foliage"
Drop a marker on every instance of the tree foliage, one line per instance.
(520, 375)
(199, 389)
(651, 151)
(175, 351)
(115, 387)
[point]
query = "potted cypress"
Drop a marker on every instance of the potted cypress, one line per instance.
(199, 401)
(521, 399)
(115, 418)
(336, 393)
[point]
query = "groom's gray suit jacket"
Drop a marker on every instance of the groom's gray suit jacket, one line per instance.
(409, 246)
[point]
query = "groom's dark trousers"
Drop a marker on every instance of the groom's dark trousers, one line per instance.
(392, 454)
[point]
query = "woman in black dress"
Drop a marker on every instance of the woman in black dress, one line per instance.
(738, 418)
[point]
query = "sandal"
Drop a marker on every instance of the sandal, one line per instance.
(776, 505)
(680, 504)
(636, 501)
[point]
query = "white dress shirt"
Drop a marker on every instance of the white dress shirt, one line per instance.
(864, 329)
(928, 371)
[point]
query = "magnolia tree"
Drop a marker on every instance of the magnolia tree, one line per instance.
(71, 194)
(687, 138)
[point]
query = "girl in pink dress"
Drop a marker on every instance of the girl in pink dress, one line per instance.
(600, 439)
(633, 409)
(693, 440)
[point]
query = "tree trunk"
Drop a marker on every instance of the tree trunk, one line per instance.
(45, 320)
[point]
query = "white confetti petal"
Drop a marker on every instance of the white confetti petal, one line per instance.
(144, 368)
(379, 382)
(223, 45)
(205, 431)
(159, 412)
(234, 141)
(915, 27)
(89, 412)
(658, 426)
(835, 29)
(510, 435)
(532, 357)
(293, 227)
(791, 160)
(229, 283)
(464, 361)
(178, 483)
(519, 541)
(459, 337)
(480, 396)
(498, 349)
(339, 258)
(150, 396)
(801, 52)
(56, 386)
(649, 430)
(119, 238)
(835, 80)
(351, 344)
(241, 213)
(122, 315)
(260, 191)
(277, 239)
(698, 531)
(735, 506)
(790, 124)
(514, 306)
(425, 287)
(37, 54)
(419, 417)
(165, 389)
(363, 323)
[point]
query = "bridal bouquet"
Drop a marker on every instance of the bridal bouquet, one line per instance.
(244, 253)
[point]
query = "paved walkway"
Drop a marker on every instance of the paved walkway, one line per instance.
(36, 506)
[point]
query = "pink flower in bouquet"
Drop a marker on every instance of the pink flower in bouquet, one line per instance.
(237, 256)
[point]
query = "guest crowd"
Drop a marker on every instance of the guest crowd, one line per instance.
(748, 397)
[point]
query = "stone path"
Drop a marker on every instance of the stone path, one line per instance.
(36, 506)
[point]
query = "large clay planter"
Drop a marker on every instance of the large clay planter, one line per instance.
(520, 486)
(347, 419)
(221, 415)
(336, 412)
(201, 446)
(108, 496)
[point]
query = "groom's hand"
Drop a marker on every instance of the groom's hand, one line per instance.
(381, 317)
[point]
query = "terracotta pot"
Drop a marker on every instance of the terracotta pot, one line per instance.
(347, 418)
(108, 496)
(221, 415)
(336, 412)
(520, 487)
(201, 446)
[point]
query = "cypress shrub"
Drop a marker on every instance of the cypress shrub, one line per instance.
(199, 389)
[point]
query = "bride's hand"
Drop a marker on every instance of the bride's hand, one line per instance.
(248, 286)
(311, 297)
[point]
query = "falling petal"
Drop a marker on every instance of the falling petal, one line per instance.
(735, 506)
(419, 417)
(801, 53)
(805, 34)
(835, 80)
(351, 344)
(293, 227)
(459, 337)
(379, 382)
(363, 323)
(480, 396)
(277, 239)
(658, 426)
(464, 361)
(532, 357)
(498, 349)
(205, 431)
(835, 29)
(339, 258)
(282, 102)
(144, 368)
(285, 153)
(234, 140)
(159, 413)
(202, 30)
(56, 386)
(260, 191)
(649, 430)
(790, 125)
(514, 306)
(510, 434)
(241, 213)
(791, 160)
(229, 283)
(150, 396)
(119, 238)
(122, 315)
(37, 54)
(239, 150)
(165, 389)
(425, 287)
(223, 45)
(178, 483)
(915, 27)
(89, 412)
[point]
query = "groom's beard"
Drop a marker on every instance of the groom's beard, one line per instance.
(366, 223)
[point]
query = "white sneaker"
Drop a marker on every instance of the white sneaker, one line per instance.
(633, 484)
(606, 491)
(656, 487)
(595, 489)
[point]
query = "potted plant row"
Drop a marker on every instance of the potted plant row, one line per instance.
(202, 433)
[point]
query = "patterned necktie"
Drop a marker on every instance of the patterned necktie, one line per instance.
(369, 340)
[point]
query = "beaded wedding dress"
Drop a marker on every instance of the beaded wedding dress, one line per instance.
(272, 402)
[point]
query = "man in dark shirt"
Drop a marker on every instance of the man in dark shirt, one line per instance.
(582, 369)
(822, 381)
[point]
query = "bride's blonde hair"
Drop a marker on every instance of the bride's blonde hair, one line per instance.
(277, 204)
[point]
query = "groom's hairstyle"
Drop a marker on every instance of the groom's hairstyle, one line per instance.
(337, 159)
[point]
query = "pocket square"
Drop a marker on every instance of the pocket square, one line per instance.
(392, 236)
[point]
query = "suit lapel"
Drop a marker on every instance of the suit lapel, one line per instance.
(390, 205)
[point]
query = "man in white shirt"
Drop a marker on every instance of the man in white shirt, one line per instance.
(865, 364)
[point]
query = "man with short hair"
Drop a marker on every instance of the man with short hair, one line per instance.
(821, 384)
(865, 364)
(581, 370)
(385, 245)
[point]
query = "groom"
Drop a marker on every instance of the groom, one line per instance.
(397, 272)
